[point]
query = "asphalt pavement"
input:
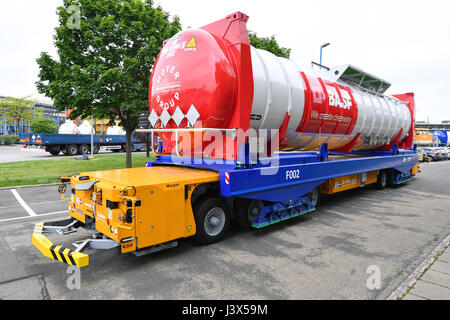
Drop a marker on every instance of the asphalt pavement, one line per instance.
(332, 253)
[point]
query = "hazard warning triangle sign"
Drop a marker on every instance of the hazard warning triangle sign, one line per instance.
(192, 43)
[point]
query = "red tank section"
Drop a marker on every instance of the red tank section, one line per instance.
(329, 107)
(199, 79)
(408, 98)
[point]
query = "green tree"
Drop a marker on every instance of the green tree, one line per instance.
(43, 125)
(106, 50)
(268, 43)
(12, 110)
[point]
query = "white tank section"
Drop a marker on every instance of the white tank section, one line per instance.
(279, 88)
(86, 128)
(68, 127)
(380, 118)
(115, 130)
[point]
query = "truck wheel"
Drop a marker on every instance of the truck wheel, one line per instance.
(96, 148)
(212, 219)
(314, 197)
(247, 210)
(84, 148)
(382, 180)
(72, 150)
(54, 150)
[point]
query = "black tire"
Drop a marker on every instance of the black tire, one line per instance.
(205, 210)
(72, 150)
(314, 197)
(391, 178)
(247, 210)
(54, 150)
(84, 148)
(382, 180)
(96, 148)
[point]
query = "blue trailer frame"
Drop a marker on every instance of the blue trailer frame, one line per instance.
(48, 139)
(56, 139)
(285, 179)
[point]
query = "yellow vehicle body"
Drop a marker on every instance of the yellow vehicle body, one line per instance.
(137, 208)
(423, 157)
(165, 213)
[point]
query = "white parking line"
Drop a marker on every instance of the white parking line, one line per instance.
(36, 216)
(45, 202)
(22, 203)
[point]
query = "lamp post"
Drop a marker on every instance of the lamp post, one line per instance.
(321, 47)
(92, 136)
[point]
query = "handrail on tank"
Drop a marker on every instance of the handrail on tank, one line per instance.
(178, 130)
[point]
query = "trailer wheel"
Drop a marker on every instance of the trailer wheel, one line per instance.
(84, 148)
(314, 197)
(382, 180)
(72, 150)
(54, 150)
(212, 219)
(247, 210)
(391, 178)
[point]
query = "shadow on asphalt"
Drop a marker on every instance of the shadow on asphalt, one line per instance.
(188, 245)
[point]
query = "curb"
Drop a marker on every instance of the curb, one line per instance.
(412, 279)
(31, 186)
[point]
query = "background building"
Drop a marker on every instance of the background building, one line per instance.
(432, 134)
(444, 125)
(48, 110)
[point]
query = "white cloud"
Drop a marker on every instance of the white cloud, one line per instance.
(405, 42)
(26, 29)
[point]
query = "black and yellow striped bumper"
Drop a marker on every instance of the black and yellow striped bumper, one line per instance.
(48, 249)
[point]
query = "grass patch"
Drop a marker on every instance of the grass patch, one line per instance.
(49, 171)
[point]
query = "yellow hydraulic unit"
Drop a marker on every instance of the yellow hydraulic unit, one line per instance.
(339, 184)
(149, 209)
